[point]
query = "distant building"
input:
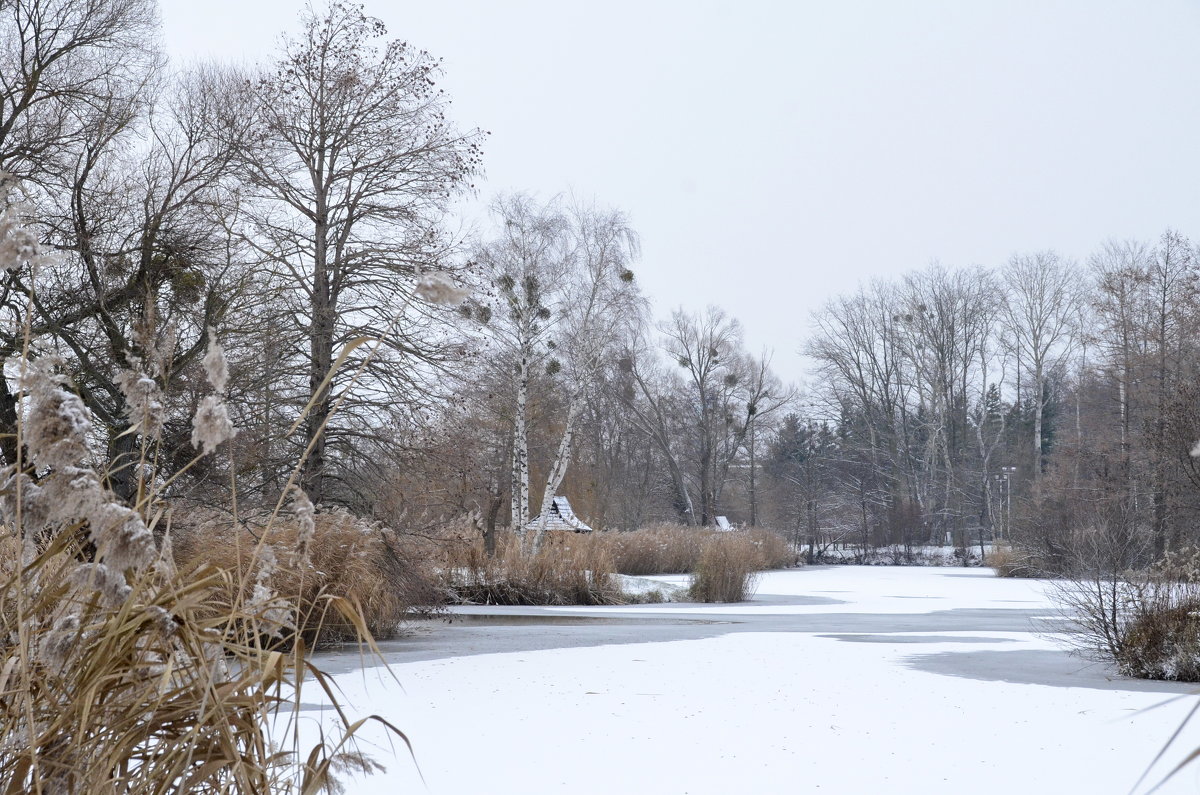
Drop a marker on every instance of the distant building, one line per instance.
(560, 517)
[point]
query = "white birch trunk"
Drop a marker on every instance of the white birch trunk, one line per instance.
(559, 469)
(1039, 404)
(521, 447)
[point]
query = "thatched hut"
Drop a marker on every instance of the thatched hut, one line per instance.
(559, 517)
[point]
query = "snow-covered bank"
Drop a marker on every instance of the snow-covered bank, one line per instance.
(781, 711)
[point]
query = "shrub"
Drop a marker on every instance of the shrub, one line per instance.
(726, 571)
(1163, 644)
(1146, 622)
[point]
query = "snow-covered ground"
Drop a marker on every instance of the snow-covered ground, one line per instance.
(835, 679)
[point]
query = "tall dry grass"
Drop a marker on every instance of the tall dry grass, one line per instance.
(570, 569)
(676, 549)
(727, 570)
(578, 568)
(364, 563)
(1009, 561)
(117, 675)
(131, 684)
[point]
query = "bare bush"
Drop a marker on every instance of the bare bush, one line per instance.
(1145, 620)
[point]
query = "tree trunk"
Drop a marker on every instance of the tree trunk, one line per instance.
(123, 461)
(8, 422)
(320, 341)
(1039, 408)
(520, 510)
(753, 491)
(489, 524)
(558, 469)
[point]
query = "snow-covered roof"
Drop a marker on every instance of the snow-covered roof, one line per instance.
(560, 516)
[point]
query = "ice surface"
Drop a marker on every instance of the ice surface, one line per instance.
(856, 711)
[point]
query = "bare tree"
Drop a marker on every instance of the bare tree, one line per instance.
(72, 76)
(64, 65)
(527, 263)
(353, 169)
(1041, 316)
(657, 402)
(708, 348)
(598, 303)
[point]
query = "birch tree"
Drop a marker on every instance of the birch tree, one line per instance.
(526, 262)
(597, 303)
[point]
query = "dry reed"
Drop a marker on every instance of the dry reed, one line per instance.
(570, 569)
(116, 675)
(364, 563)
(727, 569)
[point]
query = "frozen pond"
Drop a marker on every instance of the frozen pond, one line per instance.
(833, 679)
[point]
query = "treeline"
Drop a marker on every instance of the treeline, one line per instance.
(298, 213)
(1046, 402)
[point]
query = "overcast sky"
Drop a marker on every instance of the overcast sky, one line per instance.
(774, 154)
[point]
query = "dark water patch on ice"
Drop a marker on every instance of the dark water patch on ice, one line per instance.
(1037, 667)
(557, 620)
(911, 638)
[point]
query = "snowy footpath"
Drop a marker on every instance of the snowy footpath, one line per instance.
(834, 679)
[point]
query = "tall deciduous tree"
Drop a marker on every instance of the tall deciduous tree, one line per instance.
(354, 168)
(1041, 313)
(526, 262)
(597, 304)
(72, 76)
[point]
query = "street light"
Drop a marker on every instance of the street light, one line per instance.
(1005, 481)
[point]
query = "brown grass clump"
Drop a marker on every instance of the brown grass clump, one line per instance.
(347, 558)
(1008, 561)
(1163, 644)
(132, 683)
(676, 549)
(657, 549)
(727, 569)
(570, 569)
(578, 568)
(773, 551)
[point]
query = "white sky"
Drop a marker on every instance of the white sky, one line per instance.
(774, 154)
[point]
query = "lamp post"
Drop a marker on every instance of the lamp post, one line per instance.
(1004, 479)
